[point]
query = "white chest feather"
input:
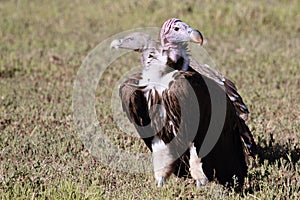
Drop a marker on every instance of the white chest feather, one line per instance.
(156, 78)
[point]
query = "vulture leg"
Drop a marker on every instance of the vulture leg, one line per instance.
(196, 168)
(163, 161)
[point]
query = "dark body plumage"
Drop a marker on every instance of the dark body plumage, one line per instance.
(227, 157)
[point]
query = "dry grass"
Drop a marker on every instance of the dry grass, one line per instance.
(43, 44)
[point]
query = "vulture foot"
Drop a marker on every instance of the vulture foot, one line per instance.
(160, 181)
(201, 182)
(196, 167)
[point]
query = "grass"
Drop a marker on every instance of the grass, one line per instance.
(256, 44)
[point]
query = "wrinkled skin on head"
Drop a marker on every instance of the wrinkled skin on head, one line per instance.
(174, 31)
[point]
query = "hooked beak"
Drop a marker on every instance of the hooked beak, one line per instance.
(196, 36)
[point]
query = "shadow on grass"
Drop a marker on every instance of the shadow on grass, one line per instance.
(273, 151)
(276, 155)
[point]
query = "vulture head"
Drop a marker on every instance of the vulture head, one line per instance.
(174, 36)
(174, 31)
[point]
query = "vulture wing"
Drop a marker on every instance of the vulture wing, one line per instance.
(231, 91)
(227, 85)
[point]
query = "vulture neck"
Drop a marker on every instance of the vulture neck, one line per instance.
(177, 56)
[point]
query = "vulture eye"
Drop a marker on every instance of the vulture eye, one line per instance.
(176, 28)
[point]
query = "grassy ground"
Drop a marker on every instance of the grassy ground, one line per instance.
(256, 44)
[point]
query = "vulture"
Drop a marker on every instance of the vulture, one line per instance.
(171, 103)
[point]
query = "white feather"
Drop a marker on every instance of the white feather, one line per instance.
(162, 159)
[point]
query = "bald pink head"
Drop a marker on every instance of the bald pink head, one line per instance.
(175, 31)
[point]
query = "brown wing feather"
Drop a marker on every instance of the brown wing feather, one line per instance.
(227, 85)
(134, 104)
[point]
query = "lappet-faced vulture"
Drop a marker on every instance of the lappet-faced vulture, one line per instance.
(172, 102)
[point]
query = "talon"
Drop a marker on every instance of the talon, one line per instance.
(160, 182)
(199, 184)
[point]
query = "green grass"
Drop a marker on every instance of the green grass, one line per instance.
(256, 44)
